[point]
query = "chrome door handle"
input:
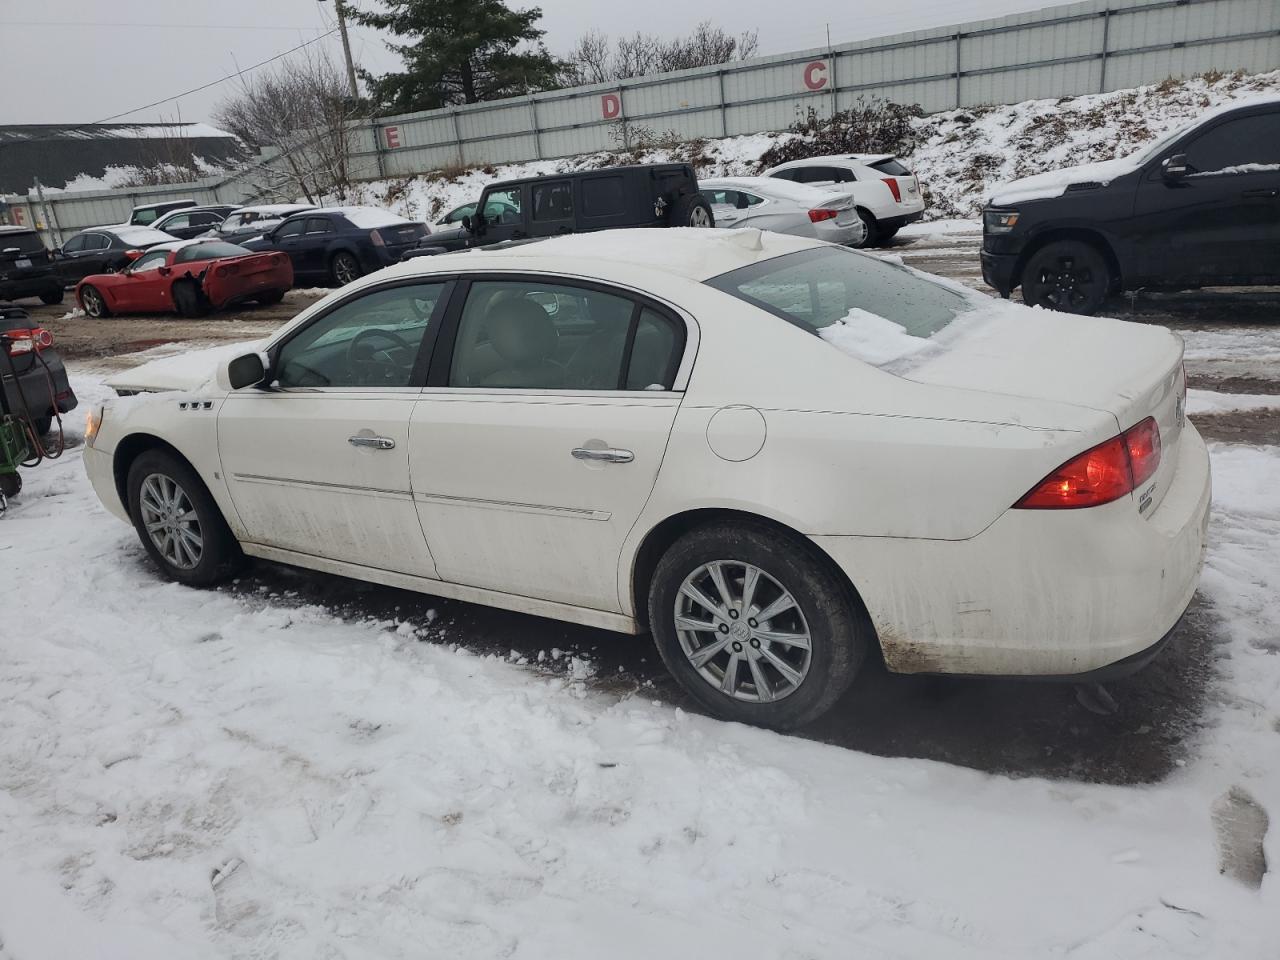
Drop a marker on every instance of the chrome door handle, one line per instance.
(607, 454)
(378, 443)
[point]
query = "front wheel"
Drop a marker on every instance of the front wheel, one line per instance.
(1067, 275)
(94, 305)
(754, 626)
(344, 268)
(178, 521)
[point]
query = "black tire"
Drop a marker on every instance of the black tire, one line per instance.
(188, 299)
(887, 233)
(50, 297)
(691, 210)
(838, 632)
(10, 484)
(1067, 275)
(873, 237)
(93, 303)
(344, 268)
(220, 556)
(270, 299)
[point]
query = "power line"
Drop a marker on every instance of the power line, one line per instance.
(151, 26)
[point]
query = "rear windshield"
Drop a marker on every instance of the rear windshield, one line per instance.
(891, 167)
(22, 242)
(876, 311)
(210, 251)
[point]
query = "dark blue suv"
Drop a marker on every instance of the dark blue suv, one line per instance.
(338, 244)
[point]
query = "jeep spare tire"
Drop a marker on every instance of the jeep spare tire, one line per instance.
(691, 210)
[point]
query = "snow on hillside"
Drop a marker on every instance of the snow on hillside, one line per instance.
(958, 156)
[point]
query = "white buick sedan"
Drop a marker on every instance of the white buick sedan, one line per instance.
(777, 455)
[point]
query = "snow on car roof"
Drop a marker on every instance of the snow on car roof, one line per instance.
(787, 189)
(281, 208)
(132, 234)
(689, 252)
(368, 217)
(834, 158)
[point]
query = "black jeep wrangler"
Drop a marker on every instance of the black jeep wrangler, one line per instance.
(1199, 207)
(643, 195)
(26, 267)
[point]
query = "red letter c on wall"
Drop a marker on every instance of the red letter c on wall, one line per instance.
(815, 74)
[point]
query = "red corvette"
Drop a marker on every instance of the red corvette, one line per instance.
(190, 276)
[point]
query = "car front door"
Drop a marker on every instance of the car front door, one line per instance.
(1221, 221)
(551, 208)
(539, 436)
(138, 287)
(319, 463)
(287, 238)
(508, 223)
(313, 247)
(83, 255)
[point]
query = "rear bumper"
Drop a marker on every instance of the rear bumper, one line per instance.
(1040, 593)
(34, 386)
(29, 285)
(900, 220)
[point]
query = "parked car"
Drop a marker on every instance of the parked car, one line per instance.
(146, 214)
(245, 223)
(887, 193)
(768, 203)
(450, 233)
(339, 244)
(189, 276)
(643, 195)
(773, 453)
(102, 250)
(191, 222)
(38, 388)
(26, 267)
(1198, 207)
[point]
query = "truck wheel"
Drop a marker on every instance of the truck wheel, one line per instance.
(344, 268)
(93, 303)
(754, 626)
(691, 210)
(50, 297)
(179, 522)
(1067, 275)
(188, 300)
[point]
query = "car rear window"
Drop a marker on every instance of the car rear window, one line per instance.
(22, 242)
(890, 167)
(876, 311)
(210, 251)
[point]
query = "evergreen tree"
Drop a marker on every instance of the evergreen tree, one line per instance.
(458, 51)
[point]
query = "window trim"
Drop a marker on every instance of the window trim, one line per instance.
(417, 375)
(441, 361)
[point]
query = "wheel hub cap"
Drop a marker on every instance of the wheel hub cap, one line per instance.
(170, 521)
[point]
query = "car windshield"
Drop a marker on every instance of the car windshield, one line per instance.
(876, 311)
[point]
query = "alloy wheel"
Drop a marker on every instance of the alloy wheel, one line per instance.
(345, 269)
(171, 522)
(1066, 285)
(699, 218)
(743, 631)
(92, 302)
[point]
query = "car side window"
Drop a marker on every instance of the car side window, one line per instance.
(517, 334)
(149, 261)
(319, 225)
(655, 352)
(96, 241)
(293, 228)
(553, 201)
(75, 244)
(508, 201)
(371, 341)
(750, 199)
(180, 220)
(1237, 143)
(206, 219)
(603, 196)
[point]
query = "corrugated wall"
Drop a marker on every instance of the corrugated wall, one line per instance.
(1067, 50)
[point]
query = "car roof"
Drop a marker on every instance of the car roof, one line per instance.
(836, 159)
(687, 252)
(199, 209)
(569, 175)
(786, 189)
(284, 209)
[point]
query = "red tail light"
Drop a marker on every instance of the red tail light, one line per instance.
(1102, 474)
(25, 341)
(817, 216)
(376, 237)
(892, 184)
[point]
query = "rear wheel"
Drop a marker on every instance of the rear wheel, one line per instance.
(754, 626)
(188, 299)
(1067, 275)
(888, 233)
(873, 230)
(178, 521)
(94, 304)
(271, 299)
(344, 268)
(691, 210)
(51, 297)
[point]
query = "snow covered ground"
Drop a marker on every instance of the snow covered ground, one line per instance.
(241, 773)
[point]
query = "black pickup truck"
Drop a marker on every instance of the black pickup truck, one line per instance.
(642, 195)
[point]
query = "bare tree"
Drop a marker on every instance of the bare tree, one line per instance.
(596, 60)
(303, 111)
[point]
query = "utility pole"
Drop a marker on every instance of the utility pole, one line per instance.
(346, 47)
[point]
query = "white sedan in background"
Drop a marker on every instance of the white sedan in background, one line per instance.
(773, 453)
(888, 195)
(784, 207)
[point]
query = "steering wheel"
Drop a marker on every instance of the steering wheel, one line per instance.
(361, 354)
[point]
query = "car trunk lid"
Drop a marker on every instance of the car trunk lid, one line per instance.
(1131, 371)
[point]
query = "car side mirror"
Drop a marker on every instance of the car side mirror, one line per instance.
(1175, 168)
(132, 255)
(165, 271)
(55, 252)
(247, 370)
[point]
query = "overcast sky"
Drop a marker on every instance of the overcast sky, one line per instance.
(80, 61)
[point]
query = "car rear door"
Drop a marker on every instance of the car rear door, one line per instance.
(539, 437)
(319, 463)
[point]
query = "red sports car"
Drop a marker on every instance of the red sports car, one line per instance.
(190, 276)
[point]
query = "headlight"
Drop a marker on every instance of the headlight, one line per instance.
(999, 221)
(92, 421)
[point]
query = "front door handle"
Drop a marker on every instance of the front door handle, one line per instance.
(607, 454)
(377, 443)
(1262, 194)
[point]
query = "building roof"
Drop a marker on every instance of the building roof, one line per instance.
(27, 132)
